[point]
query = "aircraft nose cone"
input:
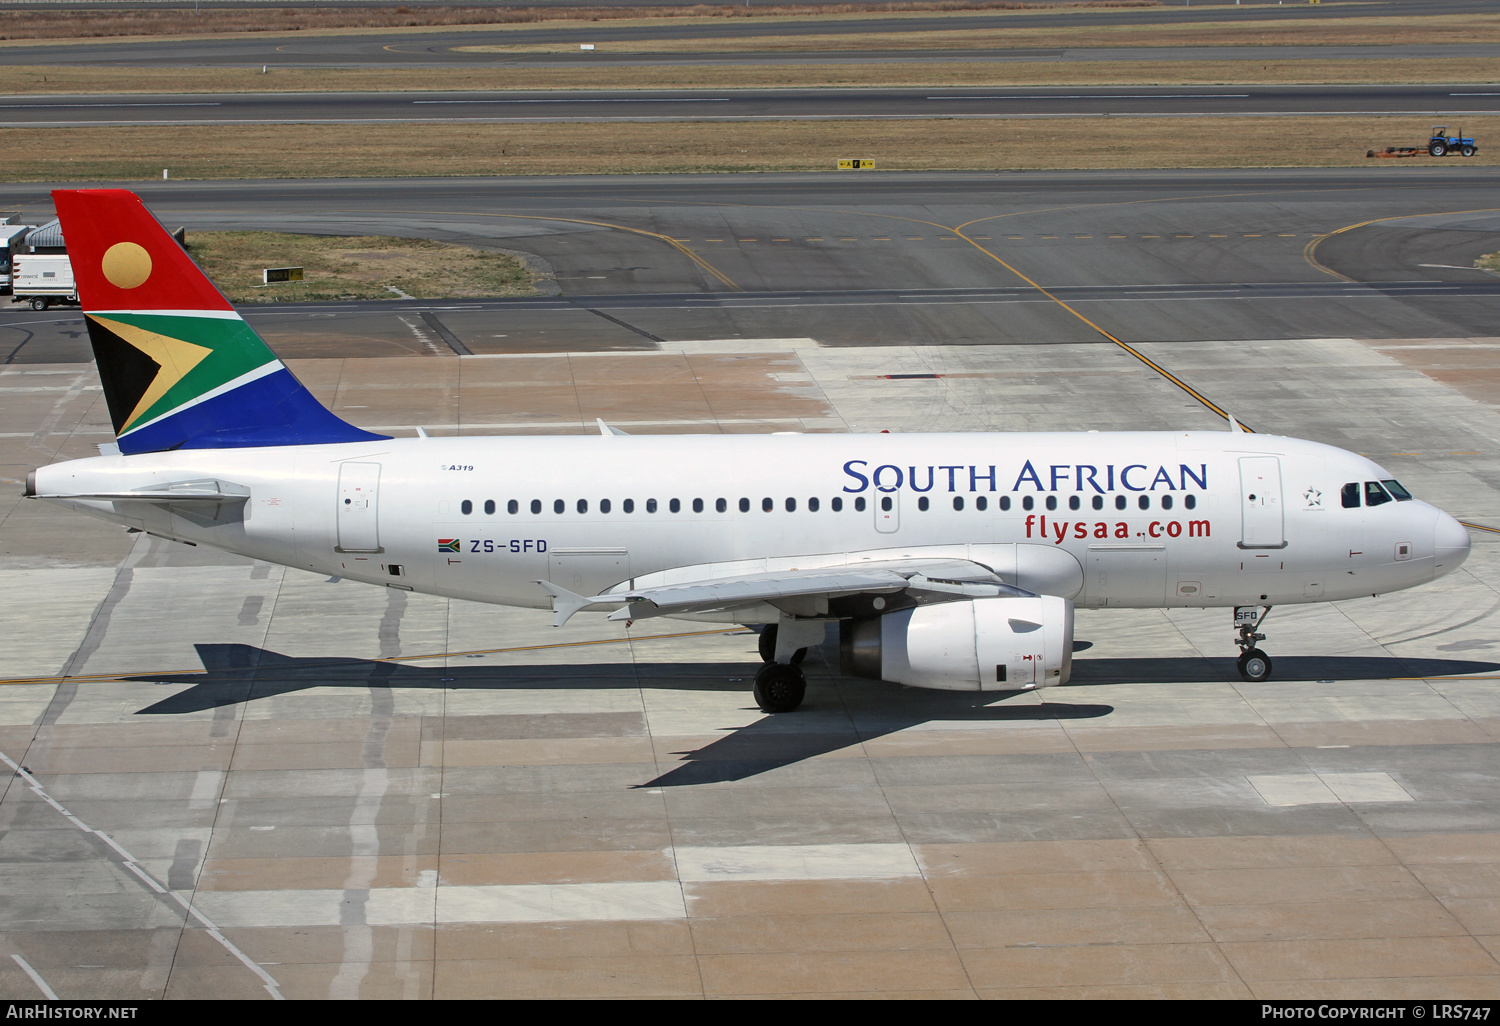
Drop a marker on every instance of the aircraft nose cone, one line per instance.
(1450, 544)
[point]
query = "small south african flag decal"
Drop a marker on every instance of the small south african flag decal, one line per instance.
(448, 545)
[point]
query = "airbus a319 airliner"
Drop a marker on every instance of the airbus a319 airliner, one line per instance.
(950, 561)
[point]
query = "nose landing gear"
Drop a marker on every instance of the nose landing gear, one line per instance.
(1253, 664)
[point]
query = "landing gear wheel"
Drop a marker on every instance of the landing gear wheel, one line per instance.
(767, 647)
(1254, 665)
(779, 688)
(39, 303)
(768, 643)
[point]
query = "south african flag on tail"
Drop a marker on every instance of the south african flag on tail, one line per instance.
(180, 368)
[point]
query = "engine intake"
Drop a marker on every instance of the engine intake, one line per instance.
(987, 644)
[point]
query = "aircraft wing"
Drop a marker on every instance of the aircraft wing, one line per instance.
(803, 592)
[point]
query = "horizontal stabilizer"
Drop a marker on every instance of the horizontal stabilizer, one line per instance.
(182, 492)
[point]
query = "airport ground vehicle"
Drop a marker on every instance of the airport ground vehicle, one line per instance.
(1442, 144)
(12, 242)
(43, 279)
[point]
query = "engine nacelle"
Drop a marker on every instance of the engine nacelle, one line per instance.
(987, 644)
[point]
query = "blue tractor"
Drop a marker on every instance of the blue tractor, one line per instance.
(1441, 144)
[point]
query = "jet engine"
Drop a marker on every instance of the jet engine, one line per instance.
(986, 644)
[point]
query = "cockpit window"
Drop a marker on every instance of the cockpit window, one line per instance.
(1350, 495)
(1374, 494)
(1400, 494)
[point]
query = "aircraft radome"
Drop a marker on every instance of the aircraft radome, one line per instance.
(949, 561)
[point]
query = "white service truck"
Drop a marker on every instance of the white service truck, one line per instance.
(42, 278)
(12, 239)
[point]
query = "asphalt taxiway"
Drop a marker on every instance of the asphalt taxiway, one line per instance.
(234, 780)
(869, 258)
(72, 110)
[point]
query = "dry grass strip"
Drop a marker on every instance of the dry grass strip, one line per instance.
(49, 81)
(340, 151)
(265, 17)
(1306, 29)
(354, 267)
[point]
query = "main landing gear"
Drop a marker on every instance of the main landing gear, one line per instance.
(779, 687)
(1254, 665)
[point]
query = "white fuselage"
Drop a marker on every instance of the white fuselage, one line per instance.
(1208, 518)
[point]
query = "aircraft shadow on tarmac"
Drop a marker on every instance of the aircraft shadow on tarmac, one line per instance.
(1288, 669)
(235, 674)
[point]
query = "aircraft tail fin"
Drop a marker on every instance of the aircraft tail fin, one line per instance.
(180, 368)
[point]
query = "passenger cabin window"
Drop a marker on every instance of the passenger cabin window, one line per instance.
(558, 505)
(1098, 502)
(536, 506)
(674, 505)
(1051, 502)
(697, 505)
(744, 505)
(958, 502)
(512, 506)
(922, 504)
(583, 505)
(859, 503)
(603, 505)
(1375, 495)
(628, 505)
(650, 505)
(982, 504)
(1027, 503)
(837, 504)
(1190, 501)
(1119, 502)
(812, 504)
(720, 505)
(1350, 495)
(1004, 502)
(489, 507)
(466, 507)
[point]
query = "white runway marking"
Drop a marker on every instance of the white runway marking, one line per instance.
(36, 978)
(665, 99)
(796, 862)
(19, 106)
(1286, 789)
(128, 860)
(434, 903)
(1114, 96)
(413, 906)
